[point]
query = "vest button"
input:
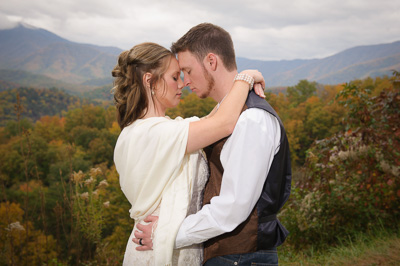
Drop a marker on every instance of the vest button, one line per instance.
(235, 263)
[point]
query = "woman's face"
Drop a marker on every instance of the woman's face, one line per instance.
(169, 89)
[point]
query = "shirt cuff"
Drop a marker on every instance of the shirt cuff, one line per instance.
(181, 237)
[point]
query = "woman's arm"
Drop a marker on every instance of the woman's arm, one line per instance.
(214, 110)
(258, 89)
(207, 131)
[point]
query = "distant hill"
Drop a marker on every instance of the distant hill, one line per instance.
(41, 52)
(83, 67)
(10, 79)
(354, 63)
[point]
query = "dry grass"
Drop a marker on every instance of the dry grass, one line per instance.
(365, 250)
(380, 252)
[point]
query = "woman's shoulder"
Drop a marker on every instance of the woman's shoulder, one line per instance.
(187, 119)
(155, 126)
(146, 122)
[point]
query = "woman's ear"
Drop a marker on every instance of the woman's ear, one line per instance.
(147, 79)
(211, 61)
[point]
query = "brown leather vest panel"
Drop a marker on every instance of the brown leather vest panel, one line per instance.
(244, 238)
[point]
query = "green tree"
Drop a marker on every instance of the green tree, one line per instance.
(301, 92)
(89, 116)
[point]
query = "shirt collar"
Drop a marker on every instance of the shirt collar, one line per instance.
(221, 101)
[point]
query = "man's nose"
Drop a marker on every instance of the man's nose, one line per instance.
(186, 80)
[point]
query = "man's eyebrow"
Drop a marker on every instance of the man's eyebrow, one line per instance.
(184, 69)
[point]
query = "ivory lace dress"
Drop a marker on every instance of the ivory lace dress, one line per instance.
(185, 189)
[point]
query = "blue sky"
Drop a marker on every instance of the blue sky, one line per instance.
(261, 29)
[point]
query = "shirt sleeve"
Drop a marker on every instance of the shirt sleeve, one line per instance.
(246, 157)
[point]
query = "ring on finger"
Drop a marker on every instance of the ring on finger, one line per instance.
(140, 241)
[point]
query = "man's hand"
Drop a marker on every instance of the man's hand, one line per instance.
(143, 234)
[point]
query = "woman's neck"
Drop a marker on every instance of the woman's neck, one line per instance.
(154, 111)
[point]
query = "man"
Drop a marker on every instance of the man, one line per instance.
(250, 171)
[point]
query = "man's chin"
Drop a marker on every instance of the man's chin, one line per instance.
(201, 95)
(198, 94)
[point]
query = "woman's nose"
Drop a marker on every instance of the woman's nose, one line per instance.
(180, 83)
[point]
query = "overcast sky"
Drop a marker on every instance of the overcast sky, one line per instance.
(261, 29)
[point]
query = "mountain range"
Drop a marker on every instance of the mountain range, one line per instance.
(34, 57)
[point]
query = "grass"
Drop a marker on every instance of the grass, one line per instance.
(378, 248)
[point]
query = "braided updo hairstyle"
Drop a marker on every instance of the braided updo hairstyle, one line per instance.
(131, 97)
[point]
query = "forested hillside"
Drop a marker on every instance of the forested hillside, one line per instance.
(61, 201)
(36, 103)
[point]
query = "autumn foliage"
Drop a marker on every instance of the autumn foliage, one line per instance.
(350, 181)
(61, 201)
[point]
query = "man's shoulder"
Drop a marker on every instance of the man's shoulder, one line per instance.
(257, 115)
(253, 100)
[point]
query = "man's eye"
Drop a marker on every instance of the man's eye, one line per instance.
(176, 79)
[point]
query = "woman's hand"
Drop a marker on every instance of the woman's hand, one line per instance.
(258, 89)
(144, 233)
(256, 75)
(259, 82)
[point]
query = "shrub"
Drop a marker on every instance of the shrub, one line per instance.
(350, 181)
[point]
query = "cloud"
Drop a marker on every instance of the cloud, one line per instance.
(261, 29)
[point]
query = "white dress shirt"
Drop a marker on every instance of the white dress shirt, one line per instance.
(246, 158)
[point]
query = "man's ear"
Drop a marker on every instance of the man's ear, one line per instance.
(146, 80)
(211, 61)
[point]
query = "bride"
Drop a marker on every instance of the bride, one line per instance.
(159, 160)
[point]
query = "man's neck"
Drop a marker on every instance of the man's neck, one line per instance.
(223, 85)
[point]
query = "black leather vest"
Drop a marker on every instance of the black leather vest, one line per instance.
(276, 190)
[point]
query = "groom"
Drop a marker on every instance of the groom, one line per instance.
(250, 172)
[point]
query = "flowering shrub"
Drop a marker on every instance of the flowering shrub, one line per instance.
(20, 241)
(89, 204)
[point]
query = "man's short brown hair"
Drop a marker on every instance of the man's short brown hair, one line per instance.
(207, 38)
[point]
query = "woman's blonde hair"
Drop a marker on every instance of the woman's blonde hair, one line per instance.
(130, 94)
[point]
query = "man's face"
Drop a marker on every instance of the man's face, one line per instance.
(195, 74)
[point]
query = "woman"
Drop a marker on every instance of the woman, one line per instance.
(162, 171)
